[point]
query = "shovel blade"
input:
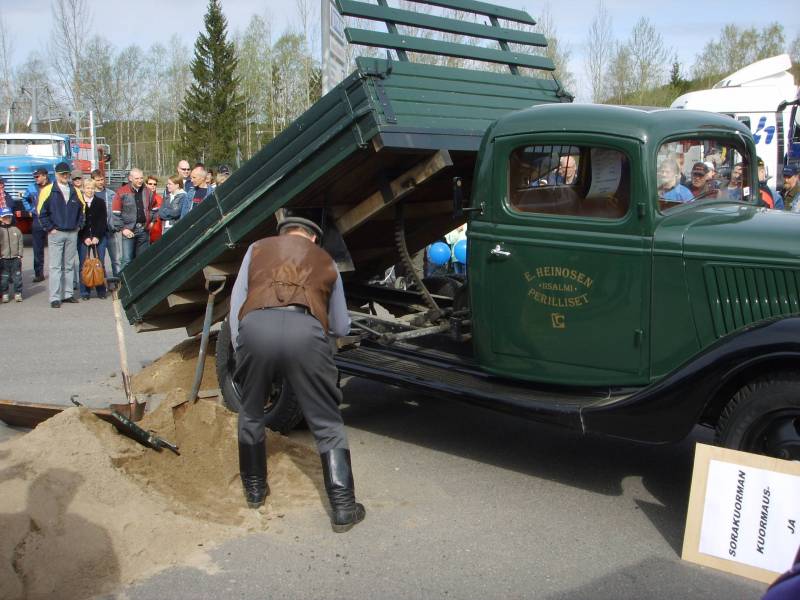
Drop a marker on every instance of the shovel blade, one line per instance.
(134, 412)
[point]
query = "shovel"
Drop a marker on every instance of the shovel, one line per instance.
(214, 285)
(133, 409)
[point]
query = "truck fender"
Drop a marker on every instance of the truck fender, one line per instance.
(698, 391)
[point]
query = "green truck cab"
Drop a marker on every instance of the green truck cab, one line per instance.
(601, 294)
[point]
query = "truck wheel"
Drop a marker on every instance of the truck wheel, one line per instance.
(443, 285)
(764, 417)
(281, 410)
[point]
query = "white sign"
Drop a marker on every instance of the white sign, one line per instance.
(751, 516)
(744, 513)
(606, 173)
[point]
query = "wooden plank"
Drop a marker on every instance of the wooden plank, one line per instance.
(189, 297)
(483, 8)
(414, 19)
(30, 414)
(431, 75)
(221, 309)
(397, 189)
(378, 39)
(173, 321)
(228, 269)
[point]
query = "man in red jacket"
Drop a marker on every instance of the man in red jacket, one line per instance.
(133, 208)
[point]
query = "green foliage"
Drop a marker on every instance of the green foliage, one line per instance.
(736, 48)
(213, 108)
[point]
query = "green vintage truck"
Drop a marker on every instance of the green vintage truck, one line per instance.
(601, 293)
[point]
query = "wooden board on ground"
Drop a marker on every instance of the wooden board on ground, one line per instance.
(30, 414)
(744, 513)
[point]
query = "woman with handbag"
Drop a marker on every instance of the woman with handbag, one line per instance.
(92, 240)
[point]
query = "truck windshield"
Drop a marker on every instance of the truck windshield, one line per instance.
(31, 147)
(570, 181)
(692, 170)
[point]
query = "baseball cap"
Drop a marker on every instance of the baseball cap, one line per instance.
(62, 167)
(700, 168)
(76, 174)
(791, 170)
(224, 169)
(5, 212)
(759, 161)
(40, 171)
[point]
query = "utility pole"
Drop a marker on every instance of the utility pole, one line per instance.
(93, 139)
(34, 93)
(35, 109)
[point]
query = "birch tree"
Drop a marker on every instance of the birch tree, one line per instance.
(71, 18)
(6, 75)
(648, 58)
(599, 49)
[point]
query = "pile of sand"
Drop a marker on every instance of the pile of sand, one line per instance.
(176, 368)
(85, 509)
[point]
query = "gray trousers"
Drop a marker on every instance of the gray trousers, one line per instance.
(291, 344)
(114, 248)
(62, 253)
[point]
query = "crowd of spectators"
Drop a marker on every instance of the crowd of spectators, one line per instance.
(77, 217)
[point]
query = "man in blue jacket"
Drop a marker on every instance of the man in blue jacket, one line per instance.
(30, 201)
(61, 216)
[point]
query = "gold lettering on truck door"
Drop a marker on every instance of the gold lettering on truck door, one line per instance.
(558, 287)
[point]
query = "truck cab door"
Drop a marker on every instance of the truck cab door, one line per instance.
(559, 263)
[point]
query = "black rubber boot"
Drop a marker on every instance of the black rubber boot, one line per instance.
(253, 469)
(345, 511)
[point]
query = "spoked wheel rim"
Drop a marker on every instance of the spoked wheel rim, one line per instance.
(776, 434)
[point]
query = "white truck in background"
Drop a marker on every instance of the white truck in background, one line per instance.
(763, 96)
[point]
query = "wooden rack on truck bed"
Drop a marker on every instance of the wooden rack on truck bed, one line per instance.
(393, 130)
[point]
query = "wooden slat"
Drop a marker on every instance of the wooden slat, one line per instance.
(379, 39)
(229, 269)
(415, 19)
(398, 188)
(30, 414)
(483, 8)
(221, 309)
(191, 297)
(173, 321)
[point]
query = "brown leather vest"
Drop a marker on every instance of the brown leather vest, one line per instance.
(289, 269)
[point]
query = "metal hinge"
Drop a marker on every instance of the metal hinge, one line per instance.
(386, 104)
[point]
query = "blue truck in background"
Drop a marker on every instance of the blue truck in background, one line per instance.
(20, 154)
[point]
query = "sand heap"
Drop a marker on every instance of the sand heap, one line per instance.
(175, 369)
(85, 509)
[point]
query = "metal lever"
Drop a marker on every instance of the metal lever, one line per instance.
(498, 251)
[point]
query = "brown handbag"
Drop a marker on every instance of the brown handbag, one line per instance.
(92, 272)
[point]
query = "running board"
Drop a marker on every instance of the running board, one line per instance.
(463, 382)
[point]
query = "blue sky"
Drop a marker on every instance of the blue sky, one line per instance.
(685, 25)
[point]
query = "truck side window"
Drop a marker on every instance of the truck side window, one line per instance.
(575, 181)
(692, 170)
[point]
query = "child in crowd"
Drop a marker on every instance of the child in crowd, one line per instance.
(10, 256)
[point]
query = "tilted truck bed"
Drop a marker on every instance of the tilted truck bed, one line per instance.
(392, 131)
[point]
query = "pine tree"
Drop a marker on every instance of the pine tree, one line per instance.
(213, 107)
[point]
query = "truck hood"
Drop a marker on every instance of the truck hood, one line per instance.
(25, 165)
(740, 264)
(732, 233)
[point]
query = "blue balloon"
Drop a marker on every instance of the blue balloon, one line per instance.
(460, 251)
(439, 253)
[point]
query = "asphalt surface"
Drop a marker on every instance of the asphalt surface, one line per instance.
(461, 502)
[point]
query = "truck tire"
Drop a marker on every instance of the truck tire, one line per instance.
(281, 410)
(443, 285)
(764, 417)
